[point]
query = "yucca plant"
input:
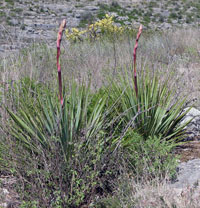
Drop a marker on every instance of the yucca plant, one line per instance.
(157, 113)
(148, 103)
(67, 143)
(71, 119)
(65, 124)
(65, 136)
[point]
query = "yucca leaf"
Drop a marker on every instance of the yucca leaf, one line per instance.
(159, 116)
(20, 122)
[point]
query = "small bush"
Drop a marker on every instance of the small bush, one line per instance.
(153, 111)
(97, 30)
(151, 158)
(61, 154)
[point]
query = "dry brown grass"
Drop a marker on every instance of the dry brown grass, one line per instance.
(172, 51)
(155, 194)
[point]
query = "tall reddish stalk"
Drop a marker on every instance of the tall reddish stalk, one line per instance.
(134, 59)
(59, 39)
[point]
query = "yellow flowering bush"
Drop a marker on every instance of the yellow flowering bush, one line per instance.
(105, 25)
(96, 30)
(75, 35)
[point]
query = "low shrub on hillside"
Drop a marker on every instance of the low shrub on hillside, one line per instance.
(62, 154)
(99, 29)
(152, 110)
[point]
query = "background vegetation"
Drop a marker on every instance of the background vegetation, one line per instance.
(106, 145)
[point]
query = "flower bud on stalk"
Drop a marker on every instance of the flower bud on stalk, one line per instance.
(134, 59)
(59, 39)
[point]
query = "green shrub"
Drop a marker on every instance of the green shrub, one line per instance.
(153, 112)
(149, 158)
(99, 29)
(10, 2)
(149, 161)
(61, 153)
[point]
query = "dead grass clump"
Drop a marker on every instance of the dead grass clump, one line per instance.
(152, 193)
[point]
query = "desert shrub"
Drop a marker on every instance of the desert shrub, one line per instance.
(62, 154)
(99, 29)
(151, 158)
(152, 111)
(148, 164)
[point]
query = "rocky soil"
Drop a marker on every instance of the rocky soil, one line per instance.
(8, 197)
(188, 170)
(24, 22)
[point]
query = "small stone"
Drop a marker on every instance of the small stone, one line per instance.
(165, 13)
(124, 18)
(30, 30)
(114, 14)
(14, 22)
(166, 25)
(5, 191)
(92, 8)
(77, 15)
(45, 9)
(174, 21)
(127, 23)
(192, 114)
(117, 24)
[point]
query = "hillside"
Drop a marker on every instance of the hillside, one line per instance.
(24, 22)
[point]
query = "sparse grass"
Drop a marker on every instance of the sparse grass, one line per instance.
(10, 2)
(162, 52)
(148, 194)
(2, 14)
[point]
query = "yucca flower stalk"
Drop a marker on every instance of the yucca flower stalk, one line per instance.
(59, 39)
(134, 59)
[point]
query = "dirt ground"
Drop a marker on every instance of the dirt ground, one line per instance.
(189, 150)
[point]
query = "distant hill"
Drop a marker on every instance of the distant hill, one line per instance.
(22, 22)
